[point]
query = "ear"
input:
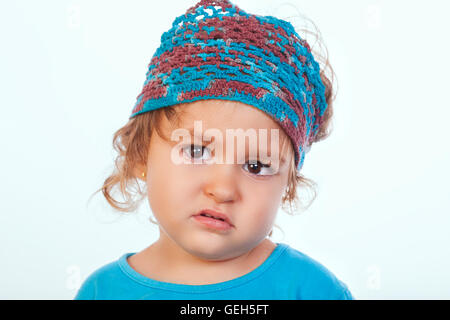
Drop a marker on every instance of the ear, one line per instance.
(139, 171)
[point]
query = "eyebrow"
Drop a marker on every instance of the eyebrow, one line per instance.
(191, 131)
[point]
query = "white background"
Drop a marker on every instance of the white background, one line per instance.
(70, 74)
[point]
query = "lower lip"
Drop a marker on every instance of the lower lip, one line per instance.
(213, 223)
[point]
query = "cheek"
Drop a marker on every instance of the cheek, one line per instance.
(266, 191)
(170, 189)
(262, 200)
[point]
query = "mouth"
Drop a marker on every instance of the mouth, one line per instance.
(214, 219)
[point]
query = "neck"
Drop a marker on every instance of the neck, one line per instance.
(189, 266)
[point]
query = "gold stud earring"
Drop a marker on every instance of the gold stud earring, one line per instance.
(143, 174)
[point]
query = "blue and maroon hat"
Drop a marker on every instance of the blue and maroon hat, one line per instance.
(218, 51)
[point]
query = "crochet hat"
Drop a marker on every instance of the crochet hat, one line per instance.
(218, 51)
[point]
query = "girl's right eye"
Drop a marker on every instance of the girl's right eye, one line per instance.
(194, 151)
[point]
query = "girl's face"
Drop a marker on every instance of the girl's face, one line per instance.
(249, 195)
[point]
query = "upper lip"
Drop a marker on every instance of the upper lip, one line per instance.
(215, 214)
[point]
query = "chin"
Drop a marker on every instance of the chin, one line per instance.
(211, 252)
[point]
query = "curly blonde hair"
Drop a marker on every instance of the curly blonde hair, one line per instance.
(131, 142)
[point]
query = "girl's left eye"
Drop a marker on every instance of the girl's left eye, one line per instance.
(194, 151)
(256, 167)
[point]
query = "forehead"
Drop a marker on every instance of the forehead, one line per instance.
(224, 114)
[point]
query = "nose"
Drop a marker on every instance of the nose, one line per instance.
(222, 184)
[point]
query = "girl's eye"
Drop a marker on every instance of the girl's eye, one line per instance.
(194, 151)
(257, 167)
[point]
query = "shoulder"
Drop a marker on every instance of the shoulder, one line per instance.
(314, 281)
(99, 280)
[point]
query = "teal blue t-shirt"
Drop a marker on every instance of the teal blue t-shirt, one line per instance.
(287, 274)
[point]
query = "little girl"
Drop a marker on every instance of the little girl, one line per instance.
(220, 73)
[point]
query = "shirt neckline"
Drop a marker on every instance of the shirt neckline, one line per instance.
(186, 288)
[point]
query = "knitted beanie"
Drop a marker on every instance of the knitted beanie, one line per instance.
(218, 51)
